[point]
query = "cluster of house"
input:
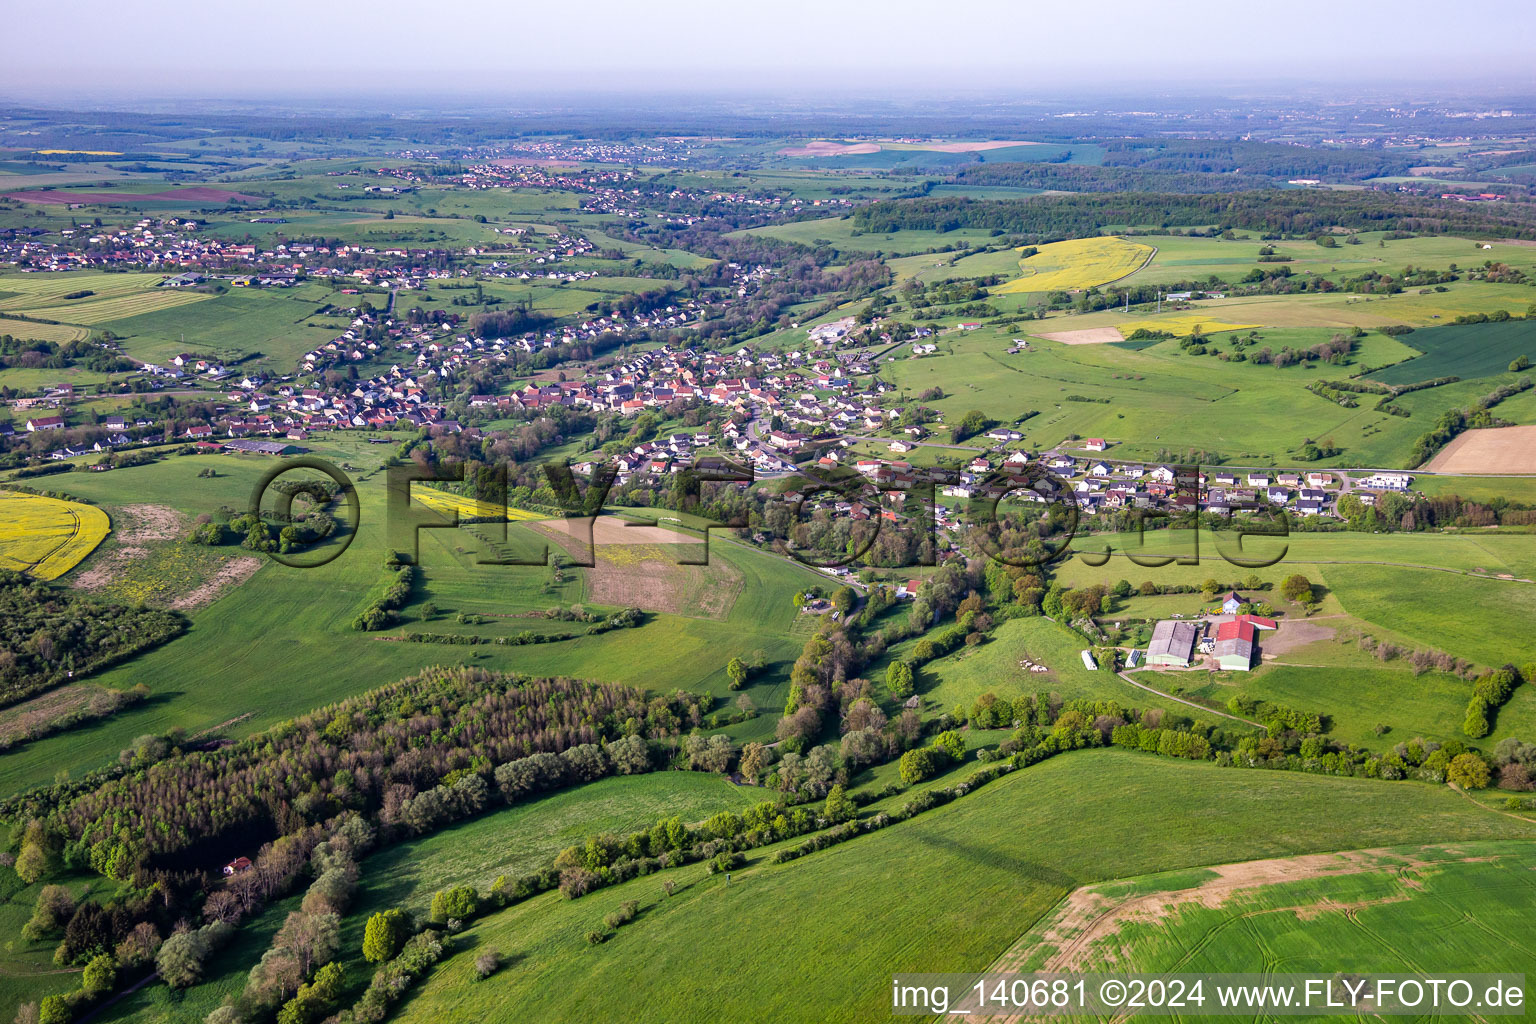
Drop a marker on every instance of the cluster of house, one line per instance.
(174, 243)
(1101, 484)
(1228, 642)
(628, 152)
(624, 193)
(115, 426)
(847, 331)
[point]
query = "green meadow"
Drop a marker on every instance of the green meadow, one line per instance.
(1162, 399)
(840, 233)
(947, 891)
(272, 328)
(1461, 905)
(245, 664)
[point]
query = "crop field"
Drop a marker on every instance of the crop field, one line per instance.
(1451, 899)
(1488, 450)
(448, 502)
(93, 311)
(60, 334)
(230, 326)
(1344, 309)
(46, 537)
(28, 292)
(1184, 815)
(1463, 350)
(111, 296)
(1078, 263)
(1180, 325)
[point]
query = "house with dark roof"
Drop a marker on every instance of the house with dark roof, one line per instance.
(1173, 644)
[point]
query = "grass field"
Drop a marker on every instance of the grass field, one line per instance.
(1463, 350)
(239, 323)
(27, 970)
(262, 631)
(511, 841)
(521, 839)
(46, 537)
(1162, 399)
(995, 667)
(1330, 914)
(840, 233)
(1078, 263)
(1480, 488)
(1466, 616)
(1183, 258)
(1419, 590)
(948, 891)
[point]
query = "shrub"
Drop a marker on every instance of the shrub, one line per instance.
(487, 963)
(626, 913)
(384, 934)
(100, 974)
(1468, 771)
(917, 765)
(54, 1010)
(461, 901)
(951, 744)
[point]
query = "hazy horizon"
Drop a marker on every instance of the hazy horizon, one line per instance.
(161, 53)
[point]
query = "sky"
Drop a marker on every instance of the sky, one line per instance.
(106, 48)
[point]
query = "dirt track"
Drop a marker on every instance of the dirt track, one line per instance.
(1086, 336)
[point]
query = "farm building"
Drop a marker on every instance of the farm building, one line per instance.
(237, 865)
(1235, 641)
(1232, 601)
(262, 447)
(1173, 644)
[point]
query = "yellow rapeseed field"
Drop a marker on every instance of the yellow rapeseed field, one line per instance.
(1181, 325)
(443, 501)
(47, 537)
(1078, 263)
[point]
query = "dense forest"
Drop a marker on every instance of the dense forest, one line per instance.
(371, 753)
(1260, 159)
(1272, 211)
(48, 636)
